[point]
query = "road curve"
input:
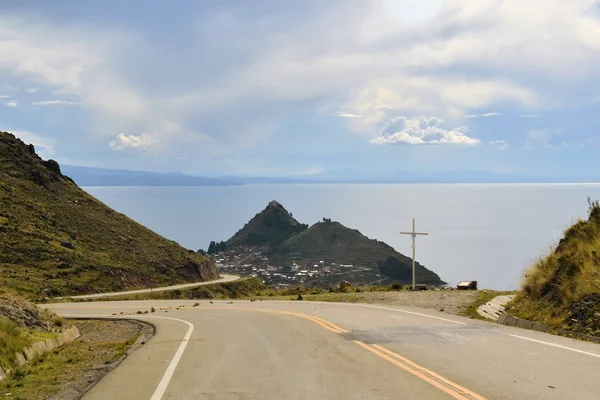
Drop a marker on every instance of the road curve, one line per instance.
(299, 350)
(224, 278)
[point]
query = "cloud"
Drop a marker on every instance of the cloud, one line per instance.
(422, 130)
(484, 115)
(122, 141)
(44, 146)
(373, 60)
(32, 90)
(55, 103)
(501, 144)
(13, 103)
(541, 138)
(5, 96)
(346, 115)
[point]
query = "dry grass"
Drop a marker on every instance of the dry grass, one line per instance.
(564, 277)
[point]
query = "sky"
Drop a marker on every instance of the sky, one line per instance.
(293, 88)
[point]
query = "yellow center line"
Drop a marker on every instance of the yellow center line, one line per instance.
(429, 372)
(426, 375)
(453, 389)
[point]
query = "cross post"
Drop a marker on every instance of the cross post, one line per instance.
(413, 234)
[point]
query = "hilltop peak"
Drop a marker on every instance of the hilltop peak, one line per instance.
(271, 226)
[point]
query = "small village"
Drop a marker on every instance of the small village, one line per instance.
(253, 262)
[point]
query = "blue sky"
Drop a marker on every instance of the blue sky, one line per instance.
(301, 87)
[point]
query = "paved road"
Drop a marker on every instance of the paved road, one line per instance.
(306, 350)
(224, 278)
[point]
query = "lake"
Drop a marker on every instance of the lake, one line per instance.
(485, 232)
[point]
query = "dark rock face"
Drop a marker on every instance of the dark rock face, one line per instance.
(585, 315)
(52, 166)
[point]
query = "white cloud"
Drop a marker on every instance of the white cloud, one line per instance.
(374, 60)
(32, 90)
(122, 141)
(5, 96)
(484, 115)
(541, 138)
(13, 103)
(55, 103)
(346, 115)
(501, 144)
(44, 146)
(422, 130)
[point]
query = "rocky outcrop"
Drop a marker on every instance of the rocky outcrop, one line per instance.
(22, 313)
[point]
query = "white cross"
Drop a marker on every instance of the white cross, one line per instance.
(414, 234)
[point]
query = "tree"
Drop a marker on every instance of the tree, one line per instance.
(201, 251)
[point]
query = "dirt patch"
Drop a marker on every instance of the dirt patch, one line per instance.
(450, 301)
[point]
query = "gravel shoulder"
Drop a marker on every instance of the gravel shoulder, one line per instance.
(68, 372)
(450, 301)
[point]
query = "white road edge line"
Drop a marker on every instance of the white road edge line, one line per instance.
(557, 345)
(412, 312)
(164, 382)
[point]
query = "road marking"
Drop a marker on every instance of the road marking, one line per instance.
(436, 380)
(164, 382)
(322, 322)
(433, 374)
(410, 312)
(557, 345)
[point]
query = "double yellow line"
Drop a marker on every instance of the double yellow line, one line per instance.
(446, 385)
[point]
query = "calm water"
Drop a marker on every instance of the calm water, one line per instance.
(489, 233)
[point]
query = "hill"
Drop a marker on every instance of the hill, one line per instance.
(563, 288)
(333, 242)
(272, 226)
(55, 239)
(273, 242)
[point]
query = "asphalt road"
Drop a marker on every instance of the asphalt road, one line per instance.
(307, 350)
(224, 278)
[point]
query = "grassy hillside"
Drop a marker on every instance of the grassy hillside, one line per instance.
(272, 226)
(563, 288)
(21, 325)
(333, 242)
(55, 239)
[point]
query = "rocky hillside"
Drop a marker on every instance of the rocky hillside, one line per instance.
(55, 239)
(274, 235)
(563, 288)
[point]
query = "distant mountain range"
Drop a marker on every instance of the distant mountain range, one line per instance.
(89, 176)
